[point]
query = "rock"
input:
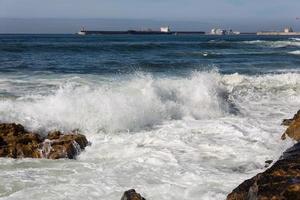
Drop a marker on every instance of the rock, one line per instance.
(293, 131)
(54, 135)
(2, 142)
(287, 122)
(132, 195)
(268, 163)
(241, 192)
(65, 145)
(16, 142)
(282, 180)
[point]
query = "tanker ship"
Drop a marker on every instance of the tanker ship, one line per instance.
(162, 31)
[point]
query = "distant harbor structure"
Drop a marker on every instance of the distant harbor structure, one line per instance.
(287, 31)
(218, 31)
(163, 31)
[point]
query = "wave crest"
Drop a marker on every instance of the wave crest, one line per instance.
(131, 105)
(297, 52)
(143, 101)
(275, 44)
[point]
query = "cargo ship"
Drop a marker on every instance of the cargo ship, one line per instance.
(162, 31)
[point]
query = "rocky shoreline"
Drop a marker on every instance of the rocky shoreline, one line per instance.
(17, 142)
(282, 180)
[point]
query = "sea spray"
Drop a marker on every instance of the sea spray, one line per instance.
(174, 130)
(136, 103)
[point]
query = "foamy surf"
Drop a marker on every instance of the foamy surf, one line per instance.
(274, 44)
(137, 103)
(193, 137)
(158, 118)
(297, 52)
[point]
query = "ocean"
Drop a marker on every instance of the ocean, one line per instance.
(173, 116)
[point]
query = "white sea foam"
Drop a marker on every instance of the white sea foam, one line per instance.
(297, 52)
(296, 39)
(168, 137)
(130, 105)
(274, 44)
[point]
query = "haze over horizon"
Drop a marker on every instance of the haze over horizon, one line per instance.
(66, 16)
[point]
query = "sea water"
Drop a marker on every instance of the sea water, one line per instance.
(175, 117)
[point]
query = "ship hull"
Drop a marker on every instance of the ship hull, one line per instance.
(131, 32)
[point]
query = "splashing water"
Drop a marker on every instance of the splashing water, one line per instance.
(158, 118)
(159, 135)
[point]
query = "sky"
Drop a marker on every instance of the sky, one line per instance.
(67, 15)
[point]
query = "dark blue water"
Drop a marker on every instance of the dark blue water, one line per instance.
(65, 54)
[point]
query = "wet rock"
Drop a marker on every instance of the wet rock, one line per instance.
(65, 145)
(16, 142)
(293, 130)
(2, 142)
(54, 135)
(268, 163)
(132, 195)
(287, 122)
(282, 180)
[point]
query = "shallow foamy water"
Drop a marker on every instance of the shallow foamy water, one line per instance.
(192, 137)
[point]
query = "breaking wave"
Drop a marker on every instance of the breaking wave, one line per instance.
(204, 125)
(295, 39)
(143, 101)
(275, 44)
(140, 102)
(297, 52)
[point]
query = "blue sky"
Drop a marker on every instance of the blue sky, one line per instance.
(150, 9)
(256, 13)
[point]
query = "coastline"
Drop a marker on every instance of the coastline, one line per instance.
(281, 181)
(195, 131)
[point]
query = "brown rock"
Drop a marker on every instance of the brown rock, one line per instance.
(11, 129)
(16, 142)
(241, 192)
(287, 122)
(293, 131)
(54, 135)
(66, 145)
(282, 180)
(132, 195)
